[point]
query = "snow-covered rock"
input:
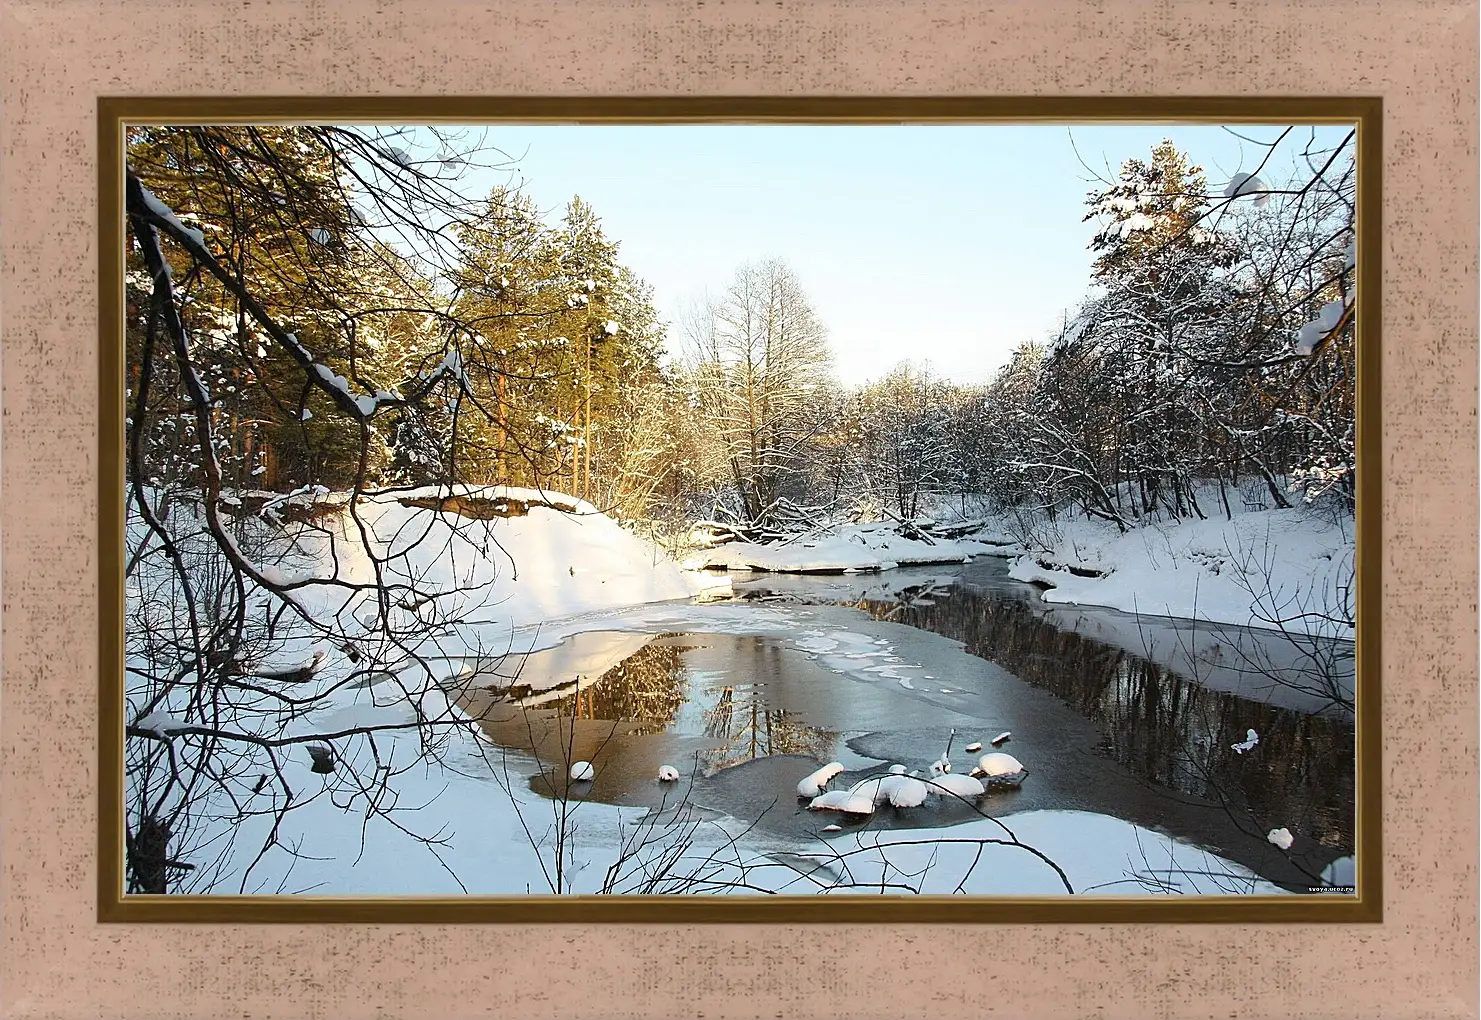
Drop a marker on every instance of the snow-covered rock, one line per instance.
(813, 784)
(668, 774)
(582, 771)
(847, 801)
(996, 763)
(908, 793)
(949, 785)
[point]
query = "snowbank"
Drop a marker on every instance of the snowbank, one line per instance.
(848, 548)
(1258, 569)
(499, 558)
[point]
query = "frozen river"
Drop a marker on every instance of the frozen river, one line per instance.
(1111, 714)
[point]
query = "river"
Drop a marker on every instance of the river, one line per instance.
(1113, 714)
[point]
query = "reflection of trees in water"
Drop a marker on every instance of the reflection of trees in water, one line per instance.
(745, 728)
(648, 686)
(1162, 726)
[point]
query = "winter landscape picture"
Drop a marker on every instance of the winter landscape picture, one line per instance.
(739, 509)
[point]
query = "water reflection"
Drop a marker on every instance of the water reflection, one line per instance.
(1163, 727)
(647, 688)
(1106, 729)
(712, 700)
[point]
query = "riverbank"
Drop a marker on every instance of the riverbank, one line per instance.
(1287, 569)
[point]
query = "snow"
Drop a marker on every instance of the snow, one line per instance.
(1136, 222)
(1281, 838)
(161, 723)
(279, 665)
(974, 746)
(951, 785)
(1098, 854)
(813, 784)
(847, 801)
(1000, 738)
(850, 547)
(165, 213)
(997, 763)
(1342, 871)
(1307, 337)
(909, 792)
(1251, 738)
(583, 771)
(1311, 333)
(475, 807)
(876, 788)
(517, 574)
(508, 572)
(1247, 184)
(1296, 560)
(1330, 315)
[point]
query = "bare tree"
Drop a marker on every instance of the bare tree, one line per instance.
(249, 611)
(758, 358)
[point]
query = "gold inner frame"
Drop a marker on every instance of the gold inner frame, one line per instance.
(114, 113)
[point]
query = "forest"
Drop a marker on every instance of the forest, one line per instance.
(403, 454)
(473, 339)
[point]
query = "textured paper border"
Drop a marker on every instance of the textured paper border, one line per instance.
(60, 55)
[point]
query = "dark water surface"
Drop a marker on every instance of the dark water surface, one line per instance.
(1126, 717)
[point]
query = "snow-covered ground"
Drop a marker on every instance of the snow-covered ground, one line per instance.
(1281, 569)
(1260, 569)
(559, 558)
(554, 570)
(497, 837)
(844, 549)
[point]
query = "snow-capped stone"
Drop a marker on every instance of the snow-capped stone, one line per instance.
(812, 785)
(909, 792)
(996, 763)
(948, 785)
(847, 801)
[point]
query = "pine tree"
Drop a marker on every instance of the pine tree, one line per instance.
(1167, 297)
(508, 301)
(272, 209)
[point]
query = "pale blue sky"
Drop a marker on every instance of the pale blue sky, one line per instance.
(946, 244)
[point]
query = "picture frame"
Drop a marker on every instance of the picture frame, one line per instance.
(1362, 115)
(61, 961)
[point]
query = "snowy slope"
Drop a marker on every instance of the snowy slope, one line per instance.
(1254, 570)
